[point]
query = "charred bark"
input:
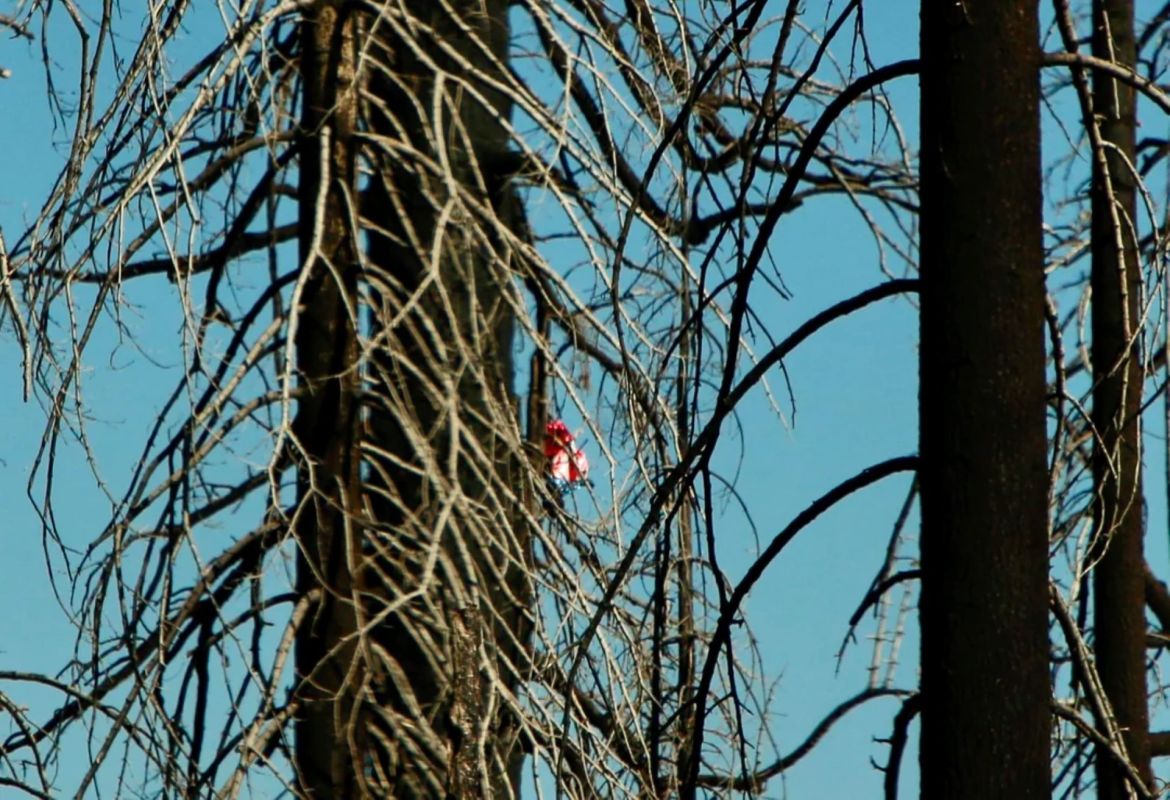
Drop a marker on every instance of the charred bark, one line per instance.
(1119, 626)
(448, 547)
(985, 690)
(329, 731)
(411, 525)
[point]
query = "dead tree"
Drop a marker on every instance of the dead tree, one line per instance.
(394, 239)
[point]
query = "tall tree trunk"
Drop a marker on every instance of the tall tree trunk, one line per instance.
(1119, 607)
(328, 735)
(985, 689)
(448, 541)
(412, 531)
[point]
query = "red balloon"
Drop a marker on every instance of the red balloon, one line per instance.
(567, 464)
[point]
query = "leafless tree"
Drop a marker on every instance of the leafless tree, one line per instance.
(361, 253)
(1107, 374)
(392, 240)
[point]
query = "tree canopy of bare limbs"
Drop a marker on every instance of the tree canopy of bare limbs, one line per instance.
(367, 251)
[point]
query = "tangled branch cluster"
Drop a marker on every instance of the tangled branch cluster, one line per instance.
(393, 240)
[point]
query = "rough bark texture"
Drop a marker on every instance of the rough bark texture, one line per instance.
(328, 744)
(1119, 577)
(985, 689)
(415, 652)
(444, 488)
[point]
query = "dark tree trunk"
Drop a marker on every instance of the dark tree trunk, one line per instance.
(412, 530)
(985, 688)
(1119, 606)
(328, 736)
(445, 487)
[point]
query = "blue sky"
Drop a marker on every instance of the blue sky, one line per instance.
(854, 388)
(855, 392)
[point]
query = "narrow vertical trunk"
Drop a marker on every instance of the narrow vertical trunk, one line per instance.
(686, 546)
(328, 734)
(447, 544)
(1118, 580)
(985, 689)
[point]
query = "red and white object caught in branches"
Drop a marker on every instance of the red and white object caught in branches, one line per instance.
(568, 467)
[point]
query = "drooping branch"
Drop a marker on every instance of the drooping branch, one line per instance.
(722, 635)
(756, 781)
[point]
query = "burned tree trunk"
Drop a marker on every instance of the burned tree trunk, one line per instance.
(329, 729)
(412, 495)
(1119, 623)
(985, 691)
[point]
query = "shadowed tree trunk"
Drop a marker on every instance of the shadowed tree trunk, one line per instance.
(329, 737)
(1119, 605)
(417, 649)
(445, 444)
(985, 690)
